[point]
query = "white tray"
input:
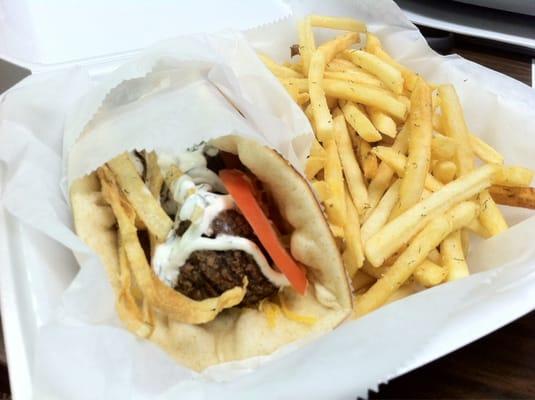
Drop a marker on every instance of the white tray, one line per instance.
(22, 293)
(57, 33)
(18, 316)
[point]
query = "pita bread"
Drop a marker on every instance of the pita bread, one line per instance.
(239, 332)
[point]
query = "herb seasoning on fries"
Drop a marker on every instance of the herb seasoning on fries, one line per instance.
(400, 175)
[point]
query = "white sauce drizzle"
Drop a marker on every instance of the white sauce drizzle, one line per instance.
(196, 202)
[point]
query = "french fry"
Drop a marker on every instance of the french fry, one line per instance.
(331, 48)
(146, 206)
(298, 67)
(341, 65)
(317, 150)
(361, 151)
(512, 176)
(383, 177)
(429, 273)
(442, 147)
(127, 306)
(409, 288)
(476, 227)
(453, 259)
(513, 196)
(444, 171)
(398, 161)
(455, 127)
(360, 122)
(313, 166)
(291, 87)
(420, 246)
(382, 122)
(425, 194)
(321, 188)
(484, 151)
(370, 166)
(376, 272)
(491, 217)
(341, 23)
(320, 109)
(390, 76)
(367, 160)
(153, 176)
(301, 84)
(373, 45)
(337, 231)
(353, 255)
(396, 211)
(292, 91)
(405, 100)
(154, 180)
(437, 122)
(435, 100)
(335, 205)
(367, 95)
(392, 259)
(352, 173)
(310, 116)
(307, 45)
(399, 231)
(279, 70)
(355, 139)
(351, 75)
(379, 216)
(420, 128)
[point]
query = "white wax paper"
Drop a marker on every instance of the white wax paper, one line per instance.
(179, 93)
(82, 352)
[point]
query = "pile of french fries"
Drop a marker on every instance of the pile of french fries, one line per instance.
(401, 177)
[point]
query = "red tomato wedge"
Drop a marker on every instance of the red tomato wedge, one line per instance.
(239, 187)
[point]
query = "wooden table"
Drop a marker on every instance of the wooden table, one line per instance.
(500, 365)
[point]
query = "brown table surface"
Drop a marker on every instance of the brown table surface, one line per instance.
(500, 365)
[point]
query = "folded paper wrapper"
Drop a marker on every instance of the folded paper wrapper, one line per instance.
(60, 125)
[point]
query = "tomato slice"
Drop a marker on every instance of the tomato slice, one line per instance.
(239, 187)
